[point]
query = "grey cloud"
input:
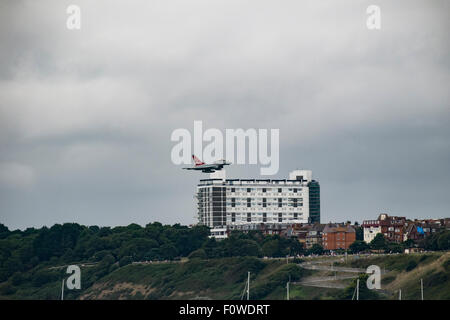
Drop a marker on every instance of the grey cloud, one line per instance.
(91, 111)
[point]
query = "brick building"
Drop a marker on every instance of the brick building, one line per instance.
(314, 235)
(392, 228)
(338, 236)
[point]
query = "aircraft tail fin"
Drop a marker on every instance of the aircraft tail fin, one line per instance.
(197, 161)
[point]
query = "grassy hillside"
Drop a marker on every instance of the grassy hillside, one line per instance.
(196, 279)
(406, 270)
(224, 278)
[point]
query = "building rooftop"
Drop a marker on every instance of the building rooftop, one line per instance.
(253, 182)
(331, 228)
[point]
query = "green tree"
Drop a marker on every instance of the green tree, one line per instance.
(408, 243)
(215, 249)
(443, 240)
(18, 278)
(153, 254)
(412, 264)
(290, 246)
(125, 261)
(316, 249)
(4, 231)
(359, 232)
(137, 248)
(364, 293)
(378, 243)
(168, 251)
(272, 248)
(358, 246)
(247, 247)
(394, 247)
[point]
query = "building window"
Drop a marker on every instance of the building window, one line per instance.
(249, 189)
(249, 202)
(279, 190)
(264, 190)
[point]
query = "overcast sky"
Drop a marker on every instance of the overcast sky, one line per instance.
(86, 115)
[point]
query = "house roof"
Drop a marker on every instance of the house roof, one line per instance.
(331, 228)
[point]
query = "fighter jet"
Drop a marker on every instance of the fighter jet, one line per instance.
(207, 168)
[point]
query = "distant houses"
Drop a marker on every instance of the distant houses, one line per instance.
(399, 229)
(391, 227)
(340, 236)
(330, 236)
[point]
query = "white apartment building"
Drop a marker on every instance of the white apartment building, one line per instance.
(371, 229)
(229, 202)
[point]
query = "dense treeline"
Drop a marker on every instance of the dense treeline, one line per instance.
(70, 243)
(249, 244)
(22, 251)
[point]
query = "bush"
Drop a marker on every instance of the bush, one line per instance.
(272, 248)
(395, 248)
(446, 264)
(278, 279)
(113, 267)
(378, 243)
(358, 246)
(443, 241)
(316, 249)
(364, 292)
(125, 261)
(412, 264)
(436, 279)
(17, 278)
(246, 248)
(198, 254)
(43, 277)
(7, 289)
(388, 279)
